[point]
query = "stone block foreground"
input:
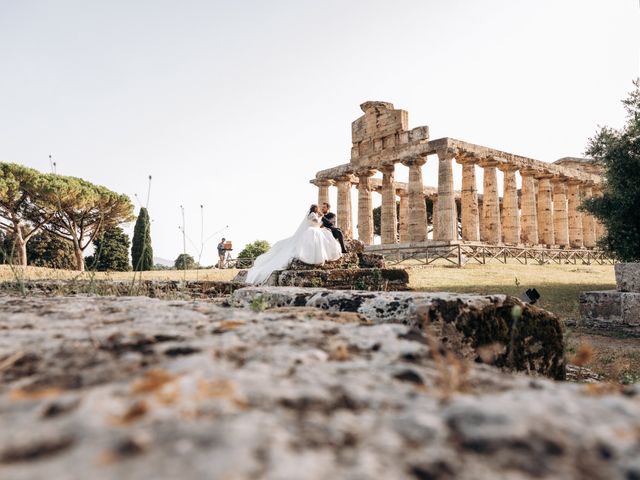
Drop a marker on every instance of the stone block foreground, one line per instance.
(497, 329)
(104, 388)
(614, 311)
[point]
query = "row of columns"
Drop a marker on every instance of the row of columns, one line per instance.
(548, 213)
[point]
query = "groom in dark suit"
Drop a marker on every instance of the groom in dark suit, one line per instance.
(329, 221)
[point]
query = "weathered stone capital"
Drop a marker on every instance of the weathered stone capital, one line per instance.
(544, 176)
(344, 178)
(414, 161)
(559, 180)
(528, 172)
(322, 182)
(490, 162)
(365, 172)
(467, 158)
(401, 192)
(575, 181)
(508, 167)
(448, 153)
(387, 168)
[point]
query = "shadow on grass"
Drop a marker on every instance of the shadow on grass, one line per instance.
(559, 298)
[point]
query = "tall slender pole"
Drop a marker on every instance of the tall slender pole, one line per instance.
(184, 246)
(148, 192)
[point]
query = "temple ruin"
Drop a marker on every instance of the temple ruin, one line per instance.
(543, 213)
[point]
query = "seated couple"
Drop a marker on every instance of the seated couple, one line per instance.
(317, 240)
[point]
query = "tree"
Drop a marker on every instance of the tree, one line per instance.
(25, 205)
(6, 249)
(185, 262)
(111, 251)
(619, 152)
(51, 251)
(84, 210)
(255, 249)
(141, 250)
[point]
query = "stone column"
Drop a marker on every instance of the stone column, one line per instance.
(323, 191)
(510, 211)
(365, 210)
(560, 217)
(600, 230)
(599, 227)
(388, 215)
(545, 212)
(491, 231)
(480, 216)
(588, 222)
(447, 214)
(575, 216)
(529, 232)
(434, 217)
(469, 200)
(344, 205)
(404, 211)
(417, 218)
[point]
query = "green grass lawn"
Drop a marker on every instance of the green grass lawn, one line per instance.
(558, 285)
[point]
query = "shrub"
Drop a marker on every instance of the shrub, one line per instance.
(255, 249)
(185, 262)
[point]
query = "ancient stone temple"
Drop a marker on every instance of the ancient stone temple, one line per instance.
(544, 212)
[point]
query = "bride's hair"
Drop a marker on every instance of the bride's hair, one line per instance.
(313, 209)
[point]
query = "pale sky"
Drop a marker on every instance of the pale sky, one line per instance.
(235, 105)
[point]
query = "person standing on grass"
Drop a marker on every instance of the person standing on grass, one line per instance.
(221, 253)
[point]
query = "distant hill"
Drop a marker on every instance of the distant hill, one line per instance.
(162, 261)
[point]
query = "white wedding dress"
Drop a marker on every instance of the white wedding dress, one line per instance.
(310, 244)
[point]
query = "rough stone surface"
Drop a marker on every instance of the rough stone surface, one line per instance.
(495, 328)
(611, 311)
(105, 388)
(628, 277)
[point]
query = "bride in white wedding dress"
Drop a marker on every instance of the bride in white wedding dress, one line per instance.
(310, 244)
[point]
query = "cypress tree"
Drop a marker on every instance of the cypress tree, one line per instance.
(141, 250)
